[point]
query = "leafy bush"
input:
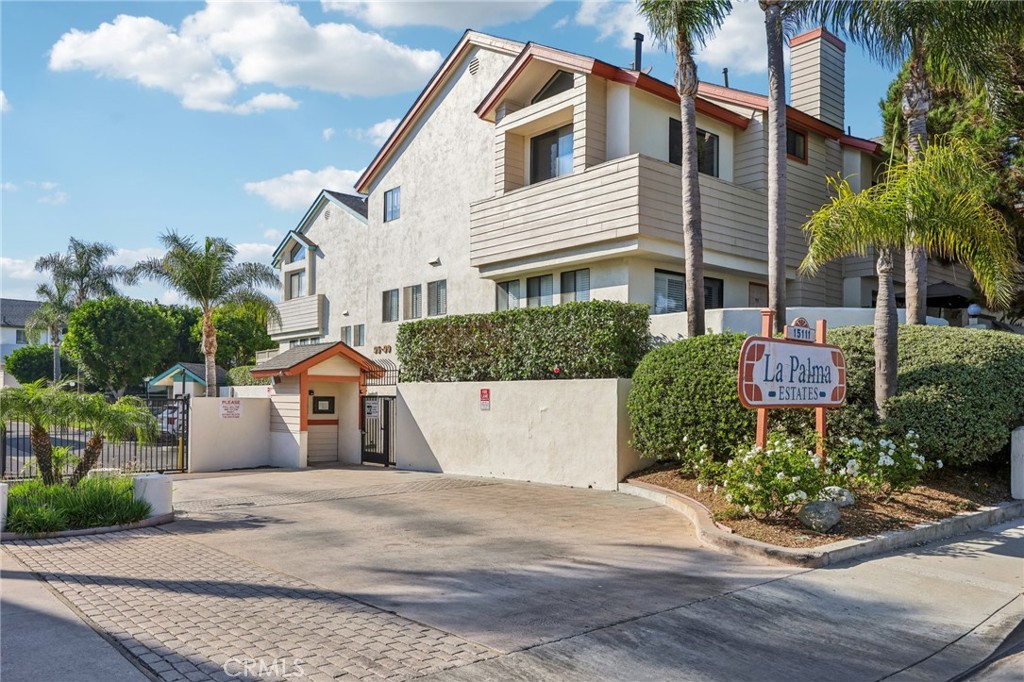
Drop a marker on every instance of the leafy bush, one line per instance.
(883, 466)
(239, 376)
(960, 390)
(775, 480)
(30, 363)
(585, 340)
(34, 507)
(684, 393)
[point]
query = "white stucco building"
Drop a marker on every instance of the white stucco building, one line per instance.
(13, 315)
(525, 175)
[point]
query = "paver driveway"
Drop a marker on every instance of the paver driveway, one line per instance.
(368, 574)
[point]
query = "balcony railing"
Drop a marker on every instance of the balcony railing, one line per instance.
(299, 317)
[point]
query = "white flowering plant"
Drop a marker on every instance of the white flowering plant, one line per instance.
(883, 466)
(772, 481)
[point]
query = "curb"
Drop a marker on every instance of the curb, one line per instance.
(145, 523)
(722, 538)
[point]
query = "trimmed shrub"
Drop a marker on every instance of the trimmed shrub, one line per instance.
(585, 340)
(34, 507)
(31, 363)
(239, 376)
(684, 397)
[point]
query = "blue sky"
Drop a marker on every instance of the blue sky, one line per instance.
(123, 120)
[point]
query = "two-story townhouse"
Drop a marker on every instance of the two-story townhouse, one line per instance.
(14, 314)
(525, 175)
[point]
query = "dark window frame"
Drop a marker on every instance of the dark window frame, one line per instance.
(412, 302)
(389, 306)
(300, 274)
(655, 310)
(675, 148)
(393, 204)
(572, 282)
(558, 135)
(796, 132)
(328, 399)
(501, 293)
(437, 305)
(555, 85)
(538, 299)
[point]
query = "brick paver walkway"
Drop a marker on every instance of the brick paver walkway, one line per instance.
(190, 612)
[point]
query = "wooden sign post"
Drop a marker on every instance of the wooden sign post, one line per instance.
(800, 370)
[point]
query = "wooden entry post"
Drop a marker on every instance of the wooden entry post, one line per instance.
(821, 328)
(767, 325)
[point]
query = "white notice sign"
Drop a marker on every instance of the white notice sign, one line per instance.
(372, 409)
(231, 408)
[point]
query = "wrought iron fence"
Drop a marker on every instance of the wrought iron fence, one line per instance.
(167, 453)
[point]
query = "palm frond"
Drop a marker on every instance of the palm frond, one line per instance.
(695, 20)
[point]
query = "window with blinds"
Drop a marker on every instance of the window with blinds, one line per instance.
(507, 295)
(359, 334)
(576, 285)
(413, 302)
(669, 292)
(389, 306)
(346, 335)
(437, 297)
(539, 290)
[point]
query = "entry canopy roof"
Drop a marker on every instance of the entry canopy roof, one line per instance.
(298, 359)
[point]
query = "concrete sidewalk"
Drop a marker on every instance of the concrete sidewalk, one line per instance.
(41, 638)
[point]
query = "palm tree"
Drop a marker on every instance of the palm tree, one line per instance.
(40, 405)
(119, 420)
(51, 317)
(206, 274)
(935, 202)
(684, 24)
(83, 267)
(946, 40)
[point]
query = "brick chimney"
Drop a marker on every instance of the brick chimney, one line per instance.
(818, 75)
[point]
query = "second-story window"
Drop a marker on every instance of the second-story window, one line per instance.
(707, 148)
(551, 154)
(796, 144)
(413, 302)
(576, 285)
(297, 253)
(297, 284)
(392, 204)
(560, 82)
(437, 298)
(20, 337)
(390, 306)
(359, 334)
(346, 334)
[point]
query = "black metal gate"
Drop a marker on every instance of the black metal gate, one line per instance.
(168, 452)
(378, 414)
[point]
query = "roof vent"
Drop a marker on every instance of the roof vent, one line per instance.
(474, 65)
(327, 214)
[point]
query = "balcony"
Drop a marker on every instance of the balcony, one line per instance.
(300, 317)
(627, 203)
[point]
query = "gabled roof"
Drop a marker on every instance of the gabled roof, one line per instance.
(434, 85)
(194, 371)
(298, 359)
(15, 311)
(350, 203)
(589, 65)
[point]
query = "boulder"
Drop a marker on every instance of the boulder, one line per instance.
(841, 496)
(819, 515)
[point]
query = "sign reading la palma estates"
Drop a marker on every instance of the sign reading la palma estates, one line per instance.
(791, 373)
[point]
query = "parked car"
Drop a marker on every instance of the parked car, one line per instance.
(170, 421)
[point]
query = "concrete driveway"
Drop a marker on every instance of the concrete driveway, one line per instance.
(368, 573)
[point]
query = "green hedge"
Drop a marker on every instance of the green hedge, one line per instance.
(239, 376)
(961, 390)
(586, 340)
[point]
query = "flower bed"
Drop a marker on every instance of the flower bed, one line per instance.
(34, 508)
(942, 493)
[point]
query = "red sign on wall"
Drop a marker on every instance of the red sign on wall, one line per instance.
(485, 398)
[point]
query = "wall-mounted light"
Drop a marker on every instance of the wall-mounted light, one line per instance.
(344, 313)
(434, 263)
(311, 391)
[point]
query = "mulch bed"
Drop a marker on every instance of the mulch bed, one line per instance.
(944, 493)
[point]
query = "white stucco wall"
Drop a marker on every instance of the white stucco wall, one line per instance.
(217, 443)
(572, 433)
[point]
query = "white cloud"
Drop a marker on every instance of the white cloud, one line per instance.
(299, 188)
(328, 133)
(740, 43)
(457, 15)
(46, 185)
(612, 19)
(378, 133)
(225, 46)
(169, 297)
(5, 104)
(255, 252)
(55, 199)
(272, 234)
(130, 257)
(9, 187)
(19, 268)
(561, 23)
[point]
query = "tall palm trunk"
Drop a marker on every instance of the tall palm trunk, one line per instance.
(886, 330)
(210, 353)
(93, 450)
(776, 163)
(917, 99)
(56, 359)
(42, 450)
(693, 238)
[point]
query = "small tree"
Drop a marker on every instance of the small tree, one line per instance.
(948, 216)
(40, 405)
(119, 420)
(118, 341)
(35, 362)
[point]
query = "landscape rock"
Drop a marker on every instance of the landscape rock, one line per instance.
(841, 496)
(819, 515)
